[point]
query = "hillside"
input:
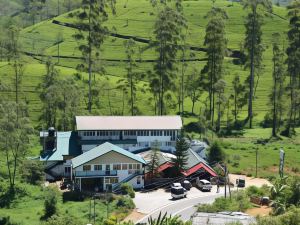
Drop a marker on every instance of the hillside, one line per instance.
(136, 18)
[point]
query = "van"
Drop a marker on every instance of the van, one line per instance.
(203, 185)
(178, 192)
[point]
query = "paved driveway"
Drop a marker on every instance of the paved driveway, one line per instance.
(148, 202)
(158, 201)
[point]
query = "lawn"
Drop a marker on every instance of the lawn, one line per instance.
(241, 154)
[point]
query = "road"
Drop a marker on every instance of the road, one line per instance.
(183, 207)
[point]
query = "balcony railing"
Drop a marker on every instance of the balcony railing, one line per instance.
(95, 173)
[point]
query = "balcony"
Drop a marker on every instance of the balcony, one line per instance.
(96, 173)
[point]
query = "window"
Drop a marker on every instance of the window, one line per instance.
(116, 166)
(86, 168)
(97, 167)
(111, 180)
(138, 166)
(134, 166)
(68, 169)
(138, 180)
(124, 166)
(130, 166)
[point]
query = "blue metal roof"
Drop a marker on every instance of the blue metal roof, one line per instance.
(66, 145)
(101, 150)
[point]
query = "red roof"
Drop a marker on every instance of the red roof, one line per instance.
(188, 172)
(198, 167)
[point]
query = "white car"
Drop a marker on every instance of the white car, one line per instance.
(204, 185)
(178, 192)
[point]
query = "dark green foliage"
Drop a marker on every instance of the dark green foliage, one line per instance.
(32, 172)
(216, 153)
(127, 189)
(239, 98)
(181, 154)
(50, 203)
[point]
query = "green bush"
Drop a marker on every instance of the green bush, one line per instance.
(238, 202)
(127, 189)
(125, 202)
(32, 172)
(216, 153)
(50, 203)
(62, 220)
(258, 192)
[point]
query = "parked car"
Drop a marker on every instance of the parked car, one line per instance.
(240, 182)
(178, 192)
(176, 185)
(187, 185)
(203, 185)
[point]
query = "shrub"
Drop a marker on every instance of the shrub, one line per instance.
(238, 202)
(216, 153)
(62, 220)
(32, 171)
(6, 221)
(127, 189)
(124, 202)
(50, 203)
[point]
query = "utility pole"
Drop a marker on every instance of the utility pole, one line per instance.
(256, 156)
(94, 210)
(225, 181)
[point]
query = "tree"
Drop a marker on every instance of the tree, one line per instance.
(278, 84)
(239, 97)
(253, 45)
(219, 89)
(167, 34)
(91, 35)
(13, 48)
(32, 171)
(49, 107)
(132, 75)
(215, 153)
(216, 44)
(181, 154)
(193, 87)
(293, 66)
(50, 203)
(15, 130)
(154, 161)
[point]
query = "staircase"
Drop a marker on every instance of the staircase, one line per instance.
(116, 187)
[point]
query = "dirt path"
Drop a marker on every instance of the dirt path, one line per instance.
(250, 181)
(134, 216)
(260, 211)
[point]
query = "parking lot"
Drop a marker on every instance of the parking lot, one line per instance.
(149, 202)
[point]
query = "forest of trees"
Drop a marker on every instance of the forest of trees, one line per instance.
(63, 98)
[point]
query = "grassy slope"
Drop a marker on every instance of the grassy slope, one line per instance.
(29, 209)
(41, 38)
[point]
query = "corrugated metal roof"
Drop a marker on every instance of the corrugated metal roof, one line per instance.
(128, 122)
(101, 150)
(66, 145)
